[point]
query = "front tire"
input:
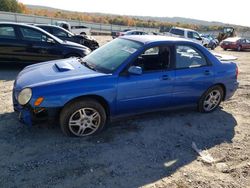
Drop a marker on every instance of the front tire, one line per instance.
(82, 118)
(211, 99)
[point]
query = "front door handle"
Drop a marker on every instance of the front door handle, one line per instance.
(207, 72)
(165, 77)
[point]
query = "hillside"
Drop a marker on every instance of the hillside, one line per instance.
(138, 21)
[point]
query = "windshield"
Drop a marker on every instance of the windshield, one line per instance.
(110, 56)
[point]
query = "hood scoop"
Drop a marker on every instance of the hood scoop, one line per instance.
(64, 66)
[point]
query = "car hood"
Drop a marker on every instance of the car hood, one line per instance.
(54, 72)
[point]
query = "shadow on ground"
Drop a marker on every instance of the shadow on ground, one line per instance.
(130, 153)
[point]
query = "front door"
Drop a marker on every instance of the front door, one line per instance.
(150, 90)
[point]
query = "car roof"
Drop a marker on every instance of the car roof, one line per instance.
(145, 39)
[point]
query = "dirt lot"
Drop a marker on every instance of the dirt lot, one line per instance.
(153, 150)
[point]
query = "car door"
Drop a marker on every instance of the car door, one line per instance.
(38, 46)
(194, 75)
(148, 91)
(9, 44)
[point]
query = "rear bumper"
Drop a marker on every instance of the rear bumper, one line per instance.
(231, 90)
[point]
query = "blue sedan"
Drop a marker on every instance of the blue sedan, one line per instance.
(127, 76)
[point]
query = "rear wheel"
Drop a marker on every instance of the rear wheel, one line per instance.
(225, 49)
(82, 118)
(211, 99)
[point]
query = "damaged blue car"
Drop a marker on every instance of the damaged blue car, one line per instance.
(127, 76)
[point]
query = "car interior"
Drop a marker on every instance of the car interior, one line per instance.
(157, 58)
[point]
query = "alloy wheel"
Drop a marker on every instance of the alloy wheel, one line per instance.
(84, 121)
(212, 100)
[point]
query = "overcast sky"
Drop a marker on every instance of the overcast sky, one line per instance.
(228, 11)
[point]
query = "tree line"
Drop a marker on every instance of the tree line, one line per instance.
(15, 6)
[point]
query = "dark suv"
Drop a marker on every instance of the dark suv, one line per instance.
(64, 34)
(21, 43)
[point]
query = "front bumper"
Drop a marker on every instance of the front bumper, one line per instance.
(33, 115)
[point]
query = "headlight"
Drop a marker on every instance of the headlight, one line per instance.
(24, 96)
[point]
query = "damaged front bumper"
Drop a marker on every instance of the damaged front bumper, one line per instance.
(29, 115)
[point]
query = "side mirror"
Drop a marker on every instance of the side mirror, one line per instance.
(136, 70)
(51, 41)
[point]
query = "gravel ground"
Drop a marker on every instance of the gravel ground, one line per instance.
(153, 150)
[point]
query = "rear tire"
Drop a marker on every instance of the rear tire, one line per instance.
(211, 99)
(82, 118)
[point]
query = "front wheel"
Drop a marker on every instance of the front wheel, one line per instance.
(211, 99)
(82, 118)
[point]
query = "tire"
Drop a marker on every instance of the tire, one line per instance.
(83, 33)
(225, 49)
(217, 94)
(82, 118)
(239, 48)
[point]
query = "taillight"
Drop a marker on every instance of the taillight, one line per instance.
(237, 72)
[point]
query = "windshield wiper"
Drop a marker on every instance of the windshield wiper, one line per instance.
(88, 65)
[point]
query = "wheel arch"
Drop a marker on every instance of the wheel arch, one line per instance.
(98, 98)
(223, 87)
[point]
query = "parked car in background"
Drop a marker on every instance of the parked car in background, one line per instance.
(133, 32)
(116, 34)
(23, 43)
(64, 34)
(130, 32)
(235, 43)
(212, 42)
(188, 34)
(78, 30)
(129, 75)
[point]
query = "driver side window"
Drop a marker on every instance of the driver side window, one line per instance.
(154, 59)
(33, 35)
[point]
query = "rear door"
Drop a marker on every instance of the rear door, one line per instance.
(38, 46)
(9, 44)
(194, 75)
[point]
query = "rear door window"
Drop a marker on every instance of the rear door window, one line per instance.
(189, 57)
(7, 32)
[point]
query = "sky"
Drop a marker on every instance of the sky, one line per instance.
(227, 11)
